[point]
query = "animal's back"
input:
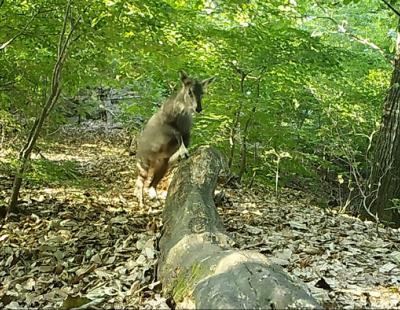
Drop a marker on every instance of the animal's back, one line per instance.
(159, 139)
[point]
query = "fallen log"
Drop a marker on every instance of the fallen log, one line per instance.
(198, 266)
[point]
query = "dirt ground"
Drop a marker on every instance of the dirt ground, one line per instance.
(81, 240)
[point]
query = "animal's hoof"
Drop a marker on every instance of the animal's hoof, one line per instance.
(163, 195)
(184, 154)
(152, 193)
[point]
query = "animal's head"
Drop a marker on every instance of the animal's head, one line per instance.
(194, 90)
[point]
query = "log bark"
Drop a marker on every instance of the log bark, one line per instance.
(198, 266)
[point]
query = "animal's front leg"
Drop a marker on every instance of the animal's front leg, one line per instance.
(182, 152)
(184, 145)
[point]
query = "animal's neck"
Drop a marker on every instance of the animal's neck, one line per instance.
(179, 100)
(176, 113)
(176, 106)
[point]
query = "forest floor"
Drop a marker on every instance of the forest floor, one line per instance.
(81, 241)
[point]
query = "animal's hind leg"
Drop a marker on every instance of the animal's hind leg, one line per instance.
(160, 168)
(142, 176)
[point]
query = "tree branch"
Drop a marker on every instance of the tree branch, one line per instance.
(21, 32)
(359, 39)
(391, 7)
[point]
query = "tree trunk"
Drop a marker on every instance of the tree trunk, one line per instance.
(198, 265)
(384, 184)
(64, 41)
(243, 153)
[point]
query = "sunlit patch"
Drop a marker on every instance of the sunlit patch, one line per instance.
(63, 157)
(7, 154)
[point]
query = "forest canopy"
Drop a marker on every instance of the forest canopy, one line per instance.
(300, 83)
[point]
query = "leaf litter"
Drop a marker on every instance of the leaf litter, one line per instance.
(89, 246)
(346, 263)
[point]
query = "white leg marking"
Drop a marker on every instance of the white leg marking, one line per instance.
(152, 193)
(163, 195)
(182, 152)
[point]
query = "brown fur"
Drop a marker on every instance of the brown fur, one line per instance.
(166, 132)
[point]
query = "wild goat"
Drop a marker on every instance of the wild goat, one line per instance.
(167, 133)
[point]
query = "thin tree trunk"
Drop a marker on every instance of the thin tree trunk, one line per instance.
(51, 100)
(3, 135)
(236, 122)
(243, 155)
(243, 152)
(384, 184)
(232, 135)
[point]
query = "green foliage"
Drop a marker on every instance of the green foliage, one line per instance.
(315, 73)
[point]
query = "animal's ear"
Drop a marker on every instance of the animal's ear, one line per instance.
(207, 82)
(185, 78)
